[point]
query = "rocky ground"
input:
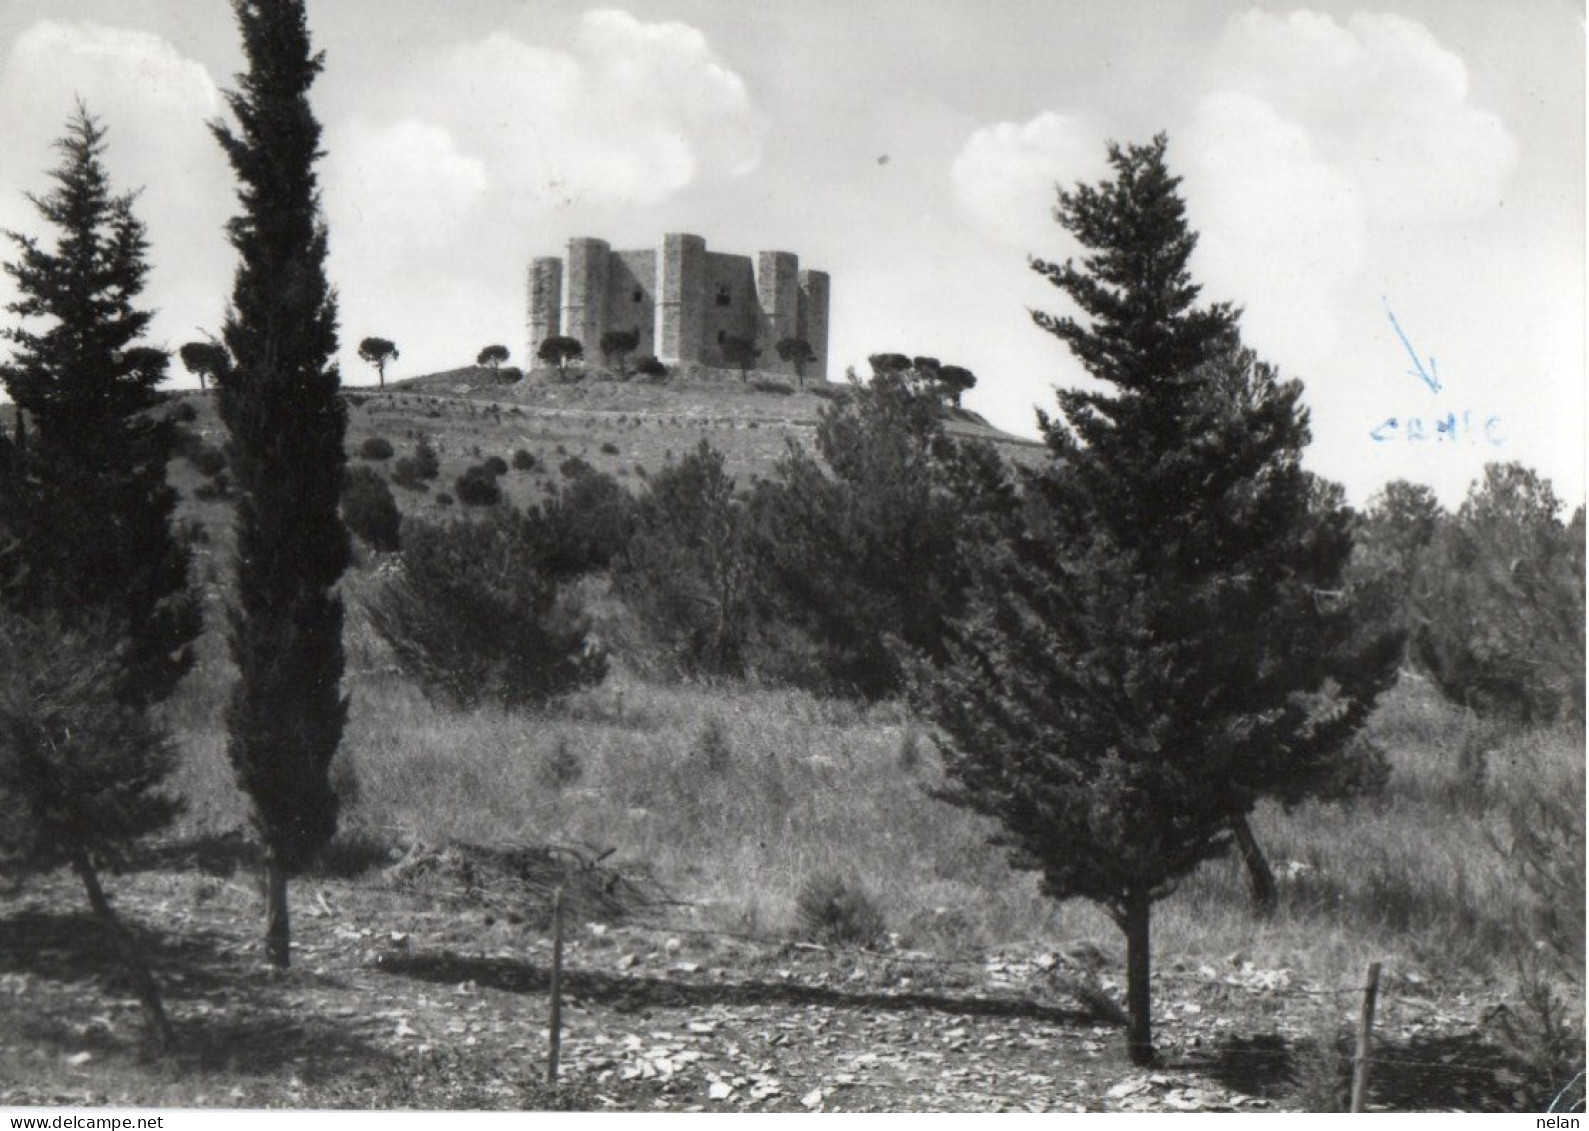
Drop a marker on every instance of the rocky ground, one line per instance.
(424, 985)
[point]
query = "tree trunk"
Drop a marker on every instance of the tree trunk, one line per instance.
(1139, 1002)
(277, 932)
(1260, 878)
(143, 981)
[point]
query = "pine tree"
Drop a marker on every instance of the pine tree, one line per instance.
(80, 771)
(1163, 644)
(862, 544)
(86, 494)
(279, 399)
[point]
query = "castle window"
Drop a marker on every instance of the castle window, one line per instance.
(639, 294)
(722, 296)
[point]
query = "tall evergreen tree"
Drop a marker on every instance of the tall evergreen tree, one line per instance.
(279, 399)
(1161, 646)
(86, 495)
(100, 617)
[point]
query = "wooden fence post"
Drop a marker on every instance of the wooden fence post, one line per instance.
(1365, 1034)
(555, 1024)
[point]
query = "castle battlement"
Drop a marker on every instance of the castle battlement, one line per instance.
(682, 300)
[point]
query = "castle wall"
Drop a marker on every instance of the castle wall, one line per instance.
(631, 300)
(681, 286)
(546, 304)
(585, 309)
(778, 292)
(683, 301)
(731, 307)
(813, 321)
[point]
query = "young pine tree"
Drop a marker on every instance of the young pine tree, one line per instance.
(1159, 648)
(279, 399)
(687, 571)
(863, 544)
(80, 770)
(86, 495)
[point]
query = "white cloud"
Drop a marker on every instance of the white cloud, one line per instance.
(1005, 176)
(1383, 101)
(406, 179)
(1281, 230)
(633, 114)
(155, 104)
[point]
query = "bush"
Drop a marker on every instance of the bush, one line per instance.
(523, 461)
(609, 448)
(376, 448)
(562, 767)
(1499, 610)
(185, 413)
(573, 467)
(369, 510)
(406, 474)
(425, 457)
(1544, 855)
(777, 388)
(444, 499)
(834, 910)
(583, 526)
(686, 572)
(496, 465)
(838, 394)
(650, 367)
(477, 487)
(713, 749)
(472, 617)
(209, 460)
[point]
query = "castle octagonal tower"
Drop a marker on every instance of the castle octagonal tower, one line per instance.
(682, 301)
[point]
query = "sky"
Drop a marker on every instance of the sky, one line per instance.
(1394, 195)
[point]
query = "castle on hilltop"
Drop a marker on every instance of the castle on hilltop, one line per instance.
(683, 301)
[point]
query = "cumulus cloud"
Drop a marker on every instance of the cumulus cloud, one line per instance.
(632, 114)
(408, 177)
(1383, 101)
(1005, 175)
(1277, 221)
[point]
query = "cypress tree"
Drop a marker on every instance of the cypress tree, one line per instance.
(1163, 644)
(279, 399)
(86, 493)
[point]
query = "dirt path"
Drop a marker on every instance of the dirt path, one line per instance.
(397, 999)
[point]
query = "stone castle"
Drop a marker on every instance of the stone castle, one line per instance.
(683, 301)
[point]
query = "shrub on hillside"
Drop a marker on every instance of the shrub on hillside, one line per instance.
(523, 461)
(583, 524)
(649, 366)
(210, 461)
(472, 618)
(376, 448)
(406, 474)
(832, 909)
(369, 510)
(185, 413)
(1500, 601)
(496, 465)
(426, 459)
(777, 388)
(477, 487)
(687, 572)
(1544, 854)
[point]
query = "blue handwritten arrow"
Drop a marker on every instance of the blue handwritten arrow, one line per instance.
(1430, 376)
